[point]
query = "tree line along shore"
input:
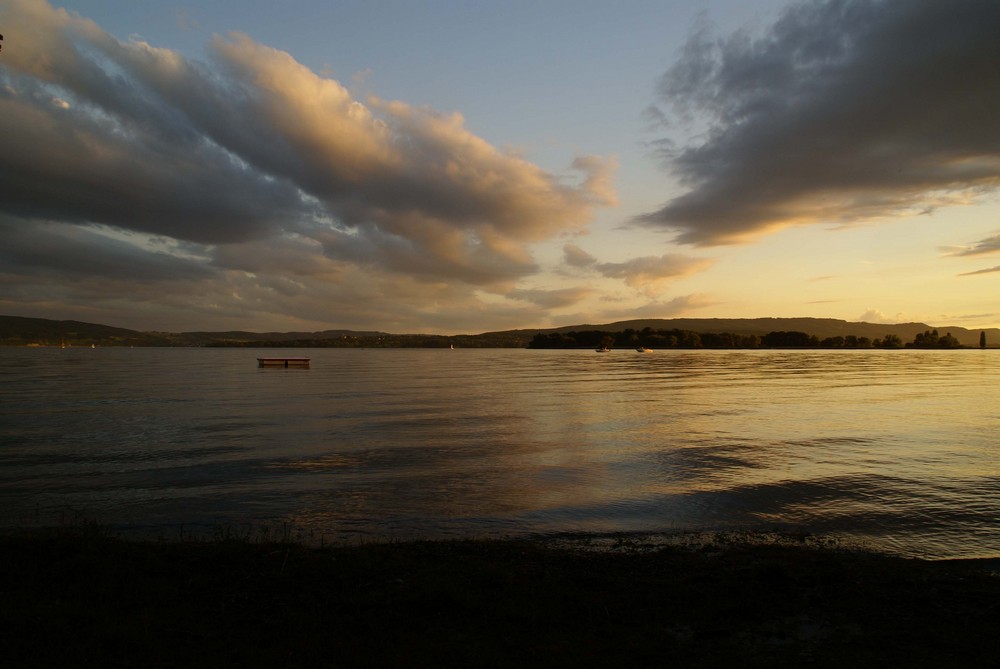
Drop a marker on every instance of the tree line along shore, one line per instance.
(649, 338)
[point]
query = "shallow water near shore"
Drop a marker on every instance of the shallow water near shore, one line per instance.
(895, 450)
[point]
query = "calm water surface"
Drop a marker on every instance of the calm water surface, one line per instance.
(896, 449)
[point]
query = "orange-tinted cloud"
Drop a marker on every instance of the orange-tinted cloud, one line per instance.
(255, 145)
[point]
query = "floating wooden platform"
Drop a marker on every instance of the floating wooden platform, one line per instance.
(302, 363)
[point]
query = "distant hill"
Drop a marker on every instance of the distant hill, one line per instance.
(15, 330)
(241, 336)
(18, 331)
(820, 327)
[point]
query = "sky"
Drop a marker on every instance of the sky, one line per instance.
(464, 167)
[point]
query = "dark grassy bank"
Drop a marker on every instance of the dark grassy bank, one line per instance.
(80, 598)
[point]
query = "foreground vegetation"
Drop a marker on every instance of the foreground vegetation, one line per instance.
(82, 598)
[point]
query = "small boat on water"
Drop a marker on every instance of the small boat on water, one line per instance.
(643, 349)
(302, 363)
(602, 349)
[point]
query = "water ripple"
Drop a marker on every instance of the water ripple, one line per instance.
(895, 448)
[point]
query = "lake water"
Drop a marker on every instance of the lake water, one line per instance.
(898, 450)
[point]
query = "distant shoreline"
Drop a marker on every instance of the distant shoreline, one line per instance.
(285, 345)
(689, 333)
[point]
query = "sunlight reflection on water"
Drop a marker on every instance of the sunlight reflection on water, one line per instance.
(897, 448)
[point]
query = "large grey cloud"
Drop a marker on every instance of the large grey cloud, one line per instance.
(268, 172)
(72, 253)
(841, 110)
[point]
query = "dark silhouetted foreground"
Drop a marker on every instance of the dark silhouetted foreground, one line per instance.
(78, 598)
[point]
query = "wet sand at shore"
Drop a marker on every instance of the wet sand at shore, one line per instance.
(74, 598)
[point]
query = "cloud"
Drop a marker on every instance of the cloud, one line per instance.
(552, 299)
(185, 21)
(673, 308)
(982, 247)
(648, 273)
(256, 165)
(876, 316)
(599, 177)
(989, 270)
(651, 271)
(987, 246)
(574, 256)
(960, 318)
(58, 250)
(843, 110)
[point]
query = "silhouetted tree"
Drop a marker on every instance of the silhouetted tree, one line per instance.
(657, 341)
(926, 339)
(891, 341)
(948, 341)
(982, 339)
(789, 340)
(691, 340)
(931, 339)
